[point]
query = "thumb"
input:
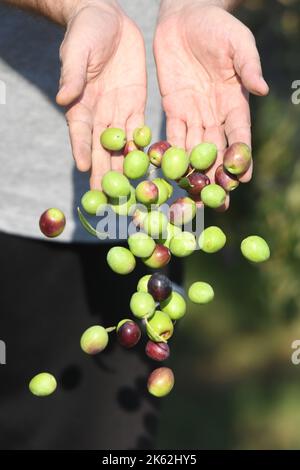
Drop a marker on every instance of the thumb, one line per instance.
(73, 74)
(248, 67)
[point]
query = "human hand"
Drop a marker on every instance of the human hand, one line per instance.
(103, 81)
(207, 62)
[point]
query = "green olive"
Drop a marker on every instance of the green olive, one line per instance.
(172, 231)
(136, 164)
(201, 293)
(115, 184)
(142, 305)
(175, 163)
(122, 206)
(213, 196)
(203, 156)
(141, 245)
(121, 260)
(212, 239)
(255, 249)
(183, 244)
(160, 327)
(92, 201)
(94, 340)
(142, 136)
(155, 224)
(163, 190)
(43, 384)
(113, 139)
(174, 306)
(143, 283)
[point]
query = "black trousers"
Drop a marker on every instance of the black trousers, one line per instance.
(50, 293)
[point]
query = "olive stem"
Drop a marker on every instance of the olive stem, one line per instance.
(111, 329)
(190, 172)
(153, 333)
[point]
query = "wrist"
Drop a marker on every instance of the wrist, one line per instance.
(72, 7)
(174, 6)
(62, 11)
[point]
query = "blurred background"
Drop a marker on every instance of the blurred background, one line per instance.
(236, 385)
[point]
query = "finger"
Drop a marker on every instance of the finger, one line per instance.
(248, 66)
(219, 161)
(117, 158)
(246, 177)
(81, 141)
(238, 122)
(133, 122)
(73, 74)
(238, 129)
(252, 79)
(80, 130)
(114, 114)
(194, 135)
(101, 163)
(117, 163)
(215, 134)
(176, 132)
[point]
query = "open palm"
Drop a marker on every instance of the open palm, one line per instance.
(103, 83)
(207, 62)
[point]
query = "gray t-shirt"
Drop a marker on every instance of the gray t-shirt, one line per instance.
(37, 168)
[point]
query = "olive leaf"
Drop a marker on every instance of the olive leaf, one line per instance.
(86, 225)
(184, 183)
(157, 338)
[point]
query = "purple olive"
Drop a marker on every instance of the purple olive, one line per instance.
(182, 211)
(157, 351)
(237, 158)
(129, 333)
(159, 258)
(138, 217)
(156, 152)
(226, 180)
(160, 382)
(197, 181)
(130, 147)
(159, 286)
(52, 223)
(147, 193)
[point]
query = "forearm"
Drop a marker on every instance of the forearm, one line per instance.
(167, 6)
(59, 11)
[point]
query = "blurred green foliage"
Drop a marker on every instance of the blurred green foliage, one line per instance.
(236, 385)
